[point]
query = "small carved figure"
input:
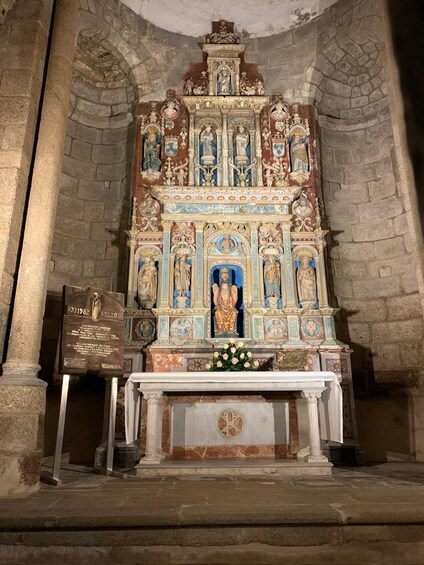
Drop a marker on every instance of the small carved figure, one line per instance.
(227, 244)
(260, 88)
(149, 207)
(302, 207)
(206, 141)
(275, 329)
(279, 110)
(147, 283)
(151, 154)
(272, 277)
(182, 275)
(188, 87)
(299, 154)
(170, 109)
(241, 143)
(306, 282)
(224, 81)
(225, 299)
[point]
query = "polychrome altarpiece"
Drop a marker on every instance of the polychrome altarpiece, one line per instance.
(226, 238)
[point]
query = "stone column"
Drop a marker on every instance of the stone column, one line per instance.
(322, 279)
(153, 454)
(23, 394)
(225, 149)
(163, 301)
(132, 282)
(288, 265)
(257, 280)
(316, 454)
(198, 287)
(259, 178)
(191, 151)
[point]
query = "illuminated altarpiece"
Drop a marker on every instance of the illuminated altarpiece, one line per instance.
(226, 189)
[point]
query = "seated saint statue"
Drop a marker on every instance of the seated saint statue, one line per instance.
(225, 299)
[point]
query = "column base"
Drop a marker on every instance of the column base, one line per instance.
(151, 460)
(316, 459)
(22, 411)
(21, 374)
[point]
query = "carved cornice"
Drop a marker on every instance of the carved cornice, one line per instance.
(224, 194)
(201, 104)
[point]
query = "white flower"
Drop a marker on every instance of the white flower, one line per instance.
(208, 366)
(256, 363)
(249, 354)
(232, 340)
(234, 360)
(240, 344)
(233, 350)
(247, 364)
(219, 364)
(216, 354)
(242, 355)
(226, 346)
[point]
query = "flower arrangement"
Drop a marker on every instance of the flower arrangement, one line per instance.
(233, 357)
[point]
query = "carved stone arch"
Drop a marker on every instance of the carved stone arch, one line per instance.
(228, 231)
(93, 25)
(148, 251)
(304, 250)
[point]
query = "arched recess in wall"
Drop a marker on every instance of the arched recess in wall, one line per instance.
(373, 268)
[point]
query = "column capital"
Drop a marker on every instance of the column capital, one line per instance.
(311, 395)
(153, 397)
(199, 225)
(167, 225)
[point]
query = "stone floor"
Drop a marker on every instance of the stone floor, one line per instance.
(356, 516)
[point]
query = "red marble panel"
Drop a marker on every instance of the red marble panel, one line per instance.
(229, 451)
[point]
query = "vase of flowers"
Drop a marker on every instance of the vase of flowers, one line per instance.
(233, 357)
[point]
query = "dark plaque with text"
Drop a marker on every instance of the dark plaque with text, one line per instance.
(92, 331)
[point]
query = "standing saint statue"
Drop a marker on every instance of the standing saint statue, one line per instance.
(224, 81)
(151, 153)
(306, 282)
(225, 299)
(299, 154)
(147, 283)
(241, 139)
(206, 142)
(272, 277)
(182, 275)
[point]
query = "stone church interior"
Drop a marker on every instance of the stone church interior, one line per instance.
(242, 175)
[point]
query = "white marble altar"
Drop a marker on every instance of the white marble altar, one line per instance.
(320, 389)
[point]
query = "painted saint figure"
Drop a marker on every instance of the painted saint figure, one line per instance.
(182, 275)
(306, 282)
(206, 142)
(299, 154)
(147, 283)
(224, 81)
(225, 299)
(272, 277)
(241, 139)
(151, 153)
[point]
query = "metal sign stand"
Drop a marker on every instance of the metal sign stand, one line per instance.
(54, 477)
(113, 383)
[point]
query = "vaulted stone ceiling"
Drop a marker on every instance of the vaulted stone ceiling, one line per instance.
(258, 18)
